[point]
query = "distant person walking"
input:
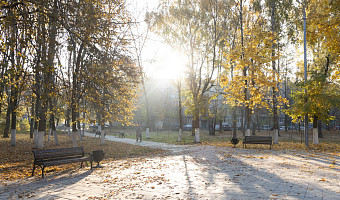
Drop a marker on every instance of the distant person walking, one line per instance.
(139, 133)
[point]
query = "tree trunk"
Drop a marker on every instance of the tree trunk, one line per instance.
(180, 109)
(102, 134)
(37, 109)
(315, 130)
(242, 121)
(13, 123)
(234, 122)
(248, 120)
(8, 118)
(14, 114)
(75, 95)
(320, 129)
(254, 126)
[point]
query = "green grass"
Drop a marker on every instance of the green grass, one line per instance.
(332, 137)
(171, 137)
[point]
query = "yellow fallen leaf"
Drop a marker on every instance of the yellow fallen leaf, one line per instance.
(322, 179)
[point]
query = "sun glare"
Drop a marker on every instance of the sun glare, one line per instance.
(170, 65)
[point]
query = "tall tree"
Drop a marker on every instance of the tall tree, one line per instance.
(185, 24)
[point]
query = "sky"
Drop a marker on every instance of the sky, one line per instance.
(160, 61)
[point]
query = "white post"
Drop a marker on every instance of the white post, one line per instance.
(315, 136)
(13, 134)
(179, 135)
(147, 133)
(197, 135)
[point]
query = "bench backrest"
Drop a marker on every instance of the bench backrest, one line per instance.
(57, 154)
(257, 138)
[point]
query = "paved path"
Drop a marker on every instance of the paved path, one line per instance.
(198, 172)
(158, 145)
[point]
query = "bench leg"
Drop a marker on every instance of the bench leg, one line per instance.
(91, 164)
(42, 171)
(33, 170)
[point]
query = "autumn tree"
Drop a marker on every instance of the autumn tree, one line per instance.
(250, 60)
(322, 85)
(192, 26)
(15, 33)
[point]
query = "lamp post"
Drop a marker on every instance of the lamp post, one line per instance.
(305, 66)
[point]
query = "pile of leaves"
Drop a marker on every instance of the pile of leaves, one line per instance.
(16, 162)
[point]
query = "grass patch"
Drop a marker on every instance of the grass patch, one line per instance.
(16, 162)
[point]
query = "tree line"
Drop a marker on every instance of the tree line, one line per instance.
(64, 58)
(244, 51)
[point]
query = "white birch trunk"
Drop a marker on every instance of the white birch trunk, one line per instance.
(315, 136)
(102, 137)
(197, 135)
(40, 140)
(35, 138)
(69, 131)
(56, 141)
(13, 135)
(276, 136)
(83, 130)
(80, 135)
(179, 135)
(248, 132)
(74, 139)
(147, 133)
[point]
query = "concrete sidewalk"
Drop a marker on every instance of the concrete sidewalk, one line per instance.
(199, 172)
(157, 145)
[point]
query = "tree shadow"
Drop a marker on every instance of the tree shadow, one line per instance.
(236, 179)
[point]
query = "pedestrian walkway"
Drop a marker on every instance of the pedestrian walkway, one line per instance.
(158, 145)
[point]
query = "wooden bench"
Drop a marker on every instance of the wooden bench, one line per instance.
(120, 134)
(99, 134)
(257, 140)
(52, 157)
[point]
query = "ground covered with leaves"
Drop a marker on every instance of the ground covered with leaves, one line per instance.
(290, 140)
(16, 162)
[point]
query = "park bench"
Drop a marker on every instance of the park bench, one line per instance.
(257, 140)
(52, 157)
(120, 134)
(99, 134)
